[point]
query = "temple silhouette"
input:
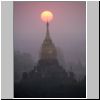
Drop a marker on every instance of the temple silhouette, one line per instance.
(48, 65)
(48, 79)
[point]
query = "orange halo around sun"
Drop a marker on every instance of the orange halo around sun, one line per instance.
(46, 16)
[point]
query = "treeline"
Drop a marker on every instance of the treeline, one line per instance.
(23, 62)
(45, 80)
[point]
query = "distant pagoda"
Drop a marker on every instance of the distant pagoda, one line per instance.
(48, 65)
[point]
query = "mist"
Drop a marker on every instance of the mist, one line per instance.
(67, 30)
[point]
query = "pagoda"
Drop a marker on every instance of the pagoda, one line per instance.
(48, 65)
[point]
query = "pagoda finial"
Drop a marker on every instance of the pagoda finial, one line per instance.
(47, 25)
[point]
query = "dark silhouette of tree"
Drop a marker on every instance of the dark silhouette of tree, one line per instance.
(22, 62)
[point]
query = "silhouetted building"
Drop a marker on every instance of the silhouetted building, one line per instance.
(48, 65)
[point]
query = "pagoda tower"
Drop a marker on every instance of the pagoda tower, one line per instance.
(48, 49)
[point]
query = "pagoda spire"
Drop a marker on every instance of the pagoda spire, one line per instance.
(47, 31)
(48, 50)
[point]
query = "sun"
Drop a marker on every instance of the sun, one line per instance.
(46, 16)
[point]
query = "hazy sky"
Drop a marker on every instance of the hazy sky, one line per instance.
(67, 29)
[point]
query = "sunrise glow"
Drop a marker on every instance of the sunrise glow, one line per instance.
(46, 16)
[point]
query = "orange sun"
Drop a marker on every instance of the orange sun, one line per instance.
(46, 16)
